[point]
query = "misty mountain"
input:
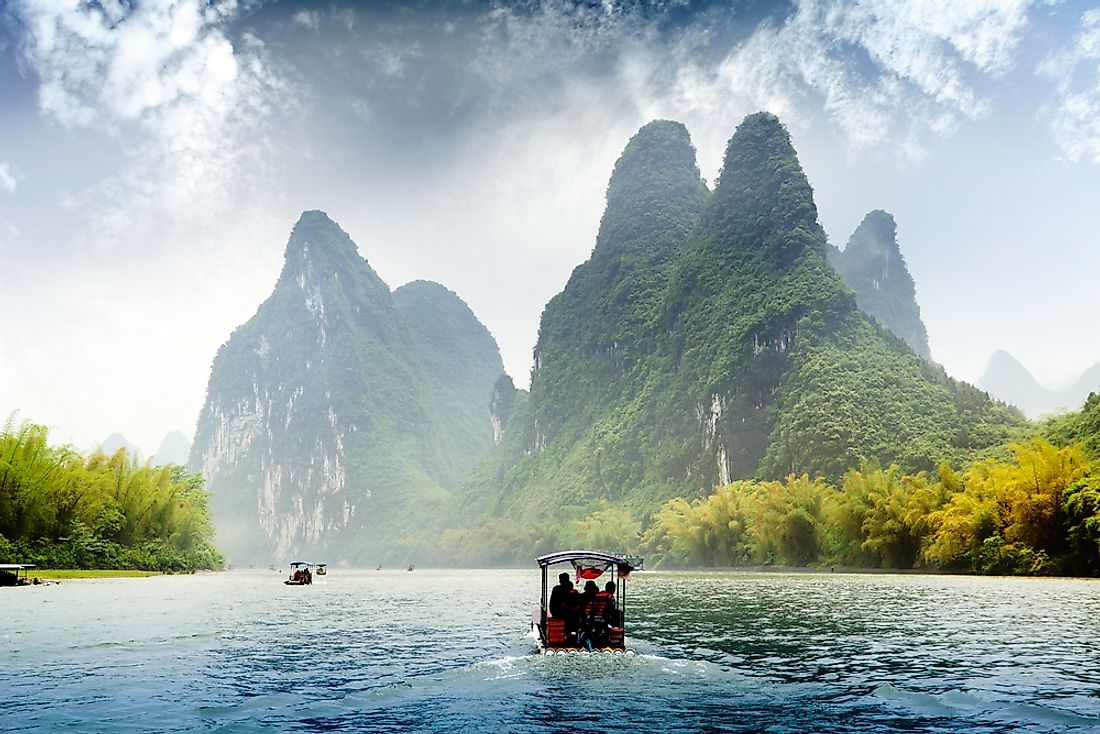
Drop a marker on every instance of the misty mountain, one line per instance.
(872, 265)
(175, 448)
(117, 441)
(338, 416)
(1007, 379)
(708, 339)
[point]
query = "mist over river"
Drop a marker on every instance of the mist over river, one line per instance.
(448, 651)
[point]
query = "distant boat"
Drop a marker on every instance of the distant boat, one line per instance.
(379, 567)
(10, 574)
(409, 568)
(321, 569)
(302, 575)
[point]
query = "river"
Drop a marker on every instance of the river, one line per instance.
(448, 651)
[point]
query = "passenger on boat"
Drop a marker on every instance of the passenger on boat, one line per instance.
(557, 596)
(566, 605)
(595, 630)
(614, 618)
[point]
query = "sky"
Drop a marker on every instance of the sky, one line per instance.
(155, 155)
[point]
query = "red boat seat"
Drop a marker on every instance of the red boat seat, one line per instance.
(555, 631)
(615, 637)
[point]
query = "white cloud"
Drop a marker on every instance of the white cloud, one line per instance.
(392, 59)
(165, 80)
(10, 176)
(308, 18)
(1074, 114)
(884, 72)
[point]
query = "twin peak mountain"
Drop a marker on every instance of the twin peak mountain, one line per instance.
(709, 337)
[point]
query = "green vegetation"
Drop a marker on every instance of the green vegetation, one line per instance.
(707, 341)
(61, 509)
(1037, 513)
(90, 573)
(1082, 426)
(339, 417)
(459, 360)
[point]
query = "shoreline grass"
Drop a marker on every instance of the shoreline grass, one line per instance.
(88, 573)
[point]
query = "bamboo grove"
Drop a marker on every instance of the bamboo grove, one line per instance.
(1036, 512)
(1033, 508)
(62, 509)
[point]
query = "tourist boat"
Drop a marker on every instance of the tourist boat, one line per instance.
(321, 570)
(10, 574)
(553, 636)
(301, 575)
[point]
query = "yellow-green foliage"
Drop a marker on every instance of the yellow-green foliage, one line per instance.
(608, 528)
(1010, 517)
(90, 573)
(60, 508)
(1037, 512)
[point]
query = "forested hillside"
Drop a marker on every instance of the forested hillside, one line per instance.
(1032, 507)
(339, 415)
(707, 340)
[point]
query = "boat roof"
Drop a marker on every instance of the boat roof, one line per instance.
(552, 559)
(300, 563)
(16, 566)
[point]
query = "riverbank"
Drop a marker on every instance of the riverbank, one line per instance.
(88, 573)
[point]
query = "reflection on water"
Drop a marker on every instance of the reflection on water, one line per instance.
(448, 651)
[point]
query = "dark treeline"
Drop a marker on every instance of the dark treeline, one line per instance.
(62, 509)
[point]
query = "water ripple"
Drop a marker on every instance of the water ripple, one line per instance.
(447, 652)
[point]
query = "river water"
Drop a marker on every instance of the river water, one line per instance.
(448, 651)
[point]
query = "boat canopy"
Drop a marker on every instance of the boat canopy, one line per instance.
(16, 566)
(588, 564)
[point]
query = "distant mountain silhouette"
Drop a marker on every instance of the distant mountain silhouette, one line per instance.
(872, 265)
(174, 449)
(117, 441)
(1007, 379)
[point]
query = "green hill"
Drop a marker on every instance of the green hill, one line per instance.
(872, 265)
(709, 339)
(339, 415)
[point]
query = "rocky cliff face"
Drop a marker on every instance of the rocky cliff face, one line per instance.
(872, 265)
(331, 422)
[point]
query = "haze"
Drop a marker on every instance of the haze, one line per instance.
(154, 156)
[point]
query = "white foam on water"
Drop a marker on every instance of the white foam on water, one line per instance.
(974, 706)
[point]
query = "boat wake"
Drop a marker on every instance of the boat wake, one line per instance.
(981, 706)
